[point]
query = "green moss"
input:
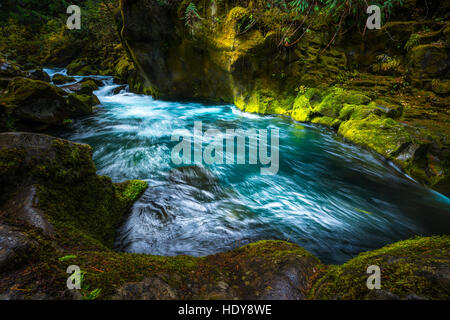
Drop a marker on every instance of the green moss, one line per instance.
(81, 104)
(407, 267)
(75, 200)
(108, 270)
(87, 87)
(302, 109)
(333, 102)
(61, 79)
(22, 91)
(327, 121)
(93, 206)
(385, 136)
(124, 67)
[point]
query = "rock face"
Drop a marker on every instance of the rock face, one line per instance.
(371, 91)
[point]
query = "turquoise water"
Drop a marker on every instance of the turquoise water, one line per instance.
(331, 197)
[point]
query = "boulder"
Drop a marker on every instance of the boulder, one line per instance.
(271, 270)
(43, 174)
(410, 269)
(81, 104)
(38, 74)
(87, 87)
(98, 82)
(9, 69)
(62, 79)
(34, 105)
(36, 101)
(119, 89)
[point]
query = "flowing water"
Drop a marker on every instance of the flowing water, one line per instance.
(330, 197)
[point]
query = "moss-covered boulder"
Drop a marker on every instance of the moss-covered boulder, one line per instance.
(87, 87)
(62, 79)
(38, 74)
(411, 269)
(66, 190)
(34, 105)
(81, 104)
(385, 136)
(83, 67)
(9, 69)
(429, 61)
(33, 101)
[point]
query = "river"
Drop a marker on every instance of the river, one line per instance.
(330, 197)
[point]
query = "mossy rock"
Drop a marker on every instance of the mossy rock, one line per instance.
(261, 270)
(411, 269)
(10, 69)
(71, 195)
(385, 136)
(428, 61)
(35, 101)
(81, 104)
(38, 74)
(87, 87)
(441, 87)
(62, 79)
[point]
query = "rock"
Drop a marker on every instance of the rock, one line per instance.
(15, 247)
(71, 88)
(441, 87)
(98, 82)
(62, 79)
(23, 206)
(83, 87)
(389, 108)
(82, 68)
(81, 104)
(36, 101)
(263, 270)
(41, 173)
(385, 136)
(147, 289)
(87, 87)
(38, 74)
(428, 61)
(412, 269)
(34, 105)
(9, 69)
(119, 89)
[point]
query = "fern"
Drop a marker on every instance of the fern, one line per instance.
(299, 6)
(191, 15)
(413, 41)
